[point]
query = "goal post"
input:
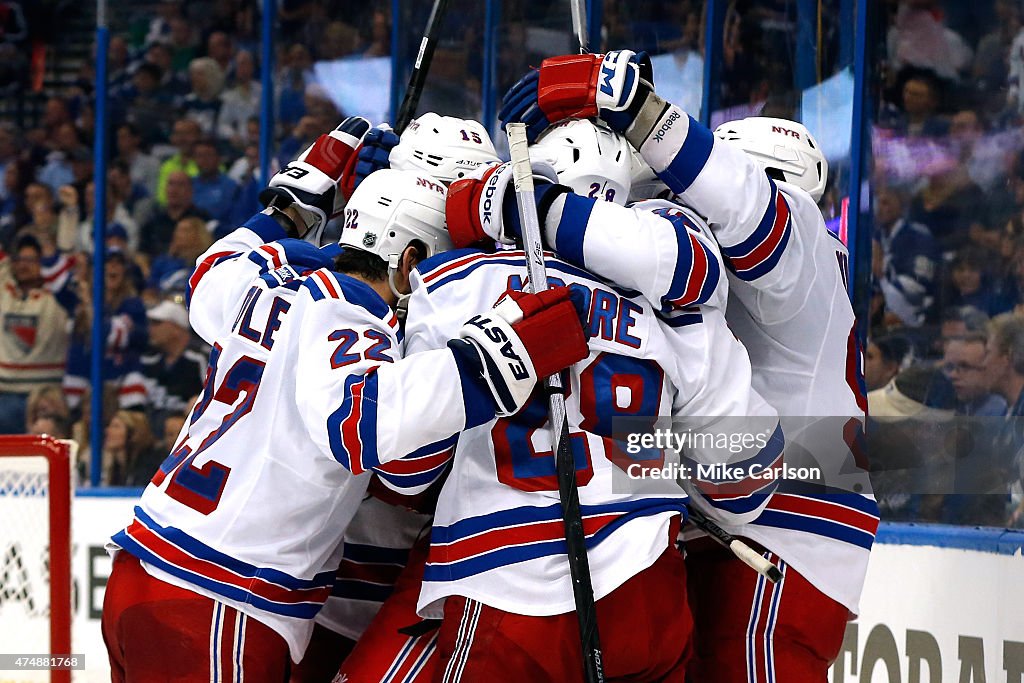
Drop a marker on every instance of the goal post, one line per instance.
(35, 542)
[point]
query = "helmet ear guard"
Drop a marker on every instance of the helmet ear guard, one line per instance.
(786, 150)
(593, 160)
(446, 147)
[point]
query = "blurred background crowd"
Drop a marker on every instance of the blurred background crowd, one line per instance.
(946, 290)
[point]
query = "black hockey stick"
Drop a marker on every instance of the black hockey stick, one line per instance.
(418, 77)
(565, 465)
(740, 549)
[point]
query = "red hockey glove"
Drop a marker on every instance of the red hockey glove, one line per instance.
(524, 338)
(612, 86)
(474, 206)
(310, 183)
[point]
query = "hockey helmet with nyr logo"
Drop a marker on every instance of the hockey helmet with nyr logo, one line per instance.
(446, 147)
(785, 149)
(392, 209)
(591, 159)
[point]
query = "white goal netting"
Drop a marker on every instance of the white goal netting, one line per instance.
(25, 537)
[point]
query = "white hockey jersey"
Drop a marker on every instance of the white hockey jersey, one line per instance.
(251, 505)
(498, 534)
(788, 305)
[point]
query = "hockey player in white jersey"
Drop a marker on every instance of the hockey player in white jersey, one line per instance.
(497, 572)
(234, 545)
(757, 183)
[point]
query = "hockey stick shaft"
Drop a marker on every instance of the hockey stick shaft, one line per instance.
(418, 77)
(579, 23)
(744, 552)
(565, 466)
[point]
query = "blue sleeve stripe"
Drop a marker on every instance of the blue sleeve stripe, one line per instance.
(769, 263)
(335, 421)
(572, 228)
(368, 423)
(764, 227)
(741, 506)
(418, 480)
(713, 276)
(684, 260)
(265, 227)
(476, 399)
(691, 158)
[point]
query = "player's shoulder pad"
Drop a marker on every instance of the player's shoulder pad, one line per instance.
(325, 285)
(296, 253)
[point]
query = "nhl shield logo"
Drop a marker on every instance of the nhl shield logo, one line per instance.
(369, 239)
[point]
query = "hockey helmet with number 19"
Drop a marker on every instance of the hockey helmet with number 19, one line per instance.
(390, 210)
(593, 160)
(785, 149)
(446, 147)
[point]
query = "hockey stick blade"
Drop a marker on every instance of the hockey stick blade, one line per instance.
(565, 465)
(740, 549)
(418, 77)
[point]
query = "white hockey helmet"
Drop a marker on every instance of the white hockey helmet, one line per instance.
(390, 210)
(785, 148)
(444, 146)
(644, 183)
(591, 159)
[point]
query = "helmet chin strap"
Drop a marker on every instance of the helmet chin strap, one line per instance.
(402, 305)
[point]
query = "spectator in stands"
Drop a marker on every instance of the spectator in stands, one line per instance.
(964, 363)
(47, 402)
(989, 71)
(174, 372)
(143, 168)
(156, 234)
(340, 40)
(212, 190)
(8, 155)
(959, 322)
(246, 172)
(909, 259)
(173, 83)
(148, 105)
(241, 102)
(171, 428)
(124, 332)
(170, 272)
(203, 103)
(55, 113)
(183, 45)
(50, 425)
(136, 200)
(128, 457)
(118, 58)
(117, 215)
(972, 285)
(33, 335)
(13, 212)
(883, 358)
(221, 49)
(918, 117)
(295, 74)
(159, 30)
(184, 136)
(918, 38)
(42, 211)
(57, 170)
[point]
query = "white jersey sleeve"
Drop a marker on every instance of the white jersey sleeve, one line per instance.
(656, 248)
(225, 271)
(364, 406)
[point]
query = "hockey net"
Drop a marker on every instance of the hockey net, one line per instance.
(35, 551)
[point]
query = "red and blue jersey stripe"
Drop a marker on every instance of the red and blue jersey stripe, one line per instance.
(413, 473)
(190, 560)
(761, 251)
(697, 272)
(848, 517)
(478, 544)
